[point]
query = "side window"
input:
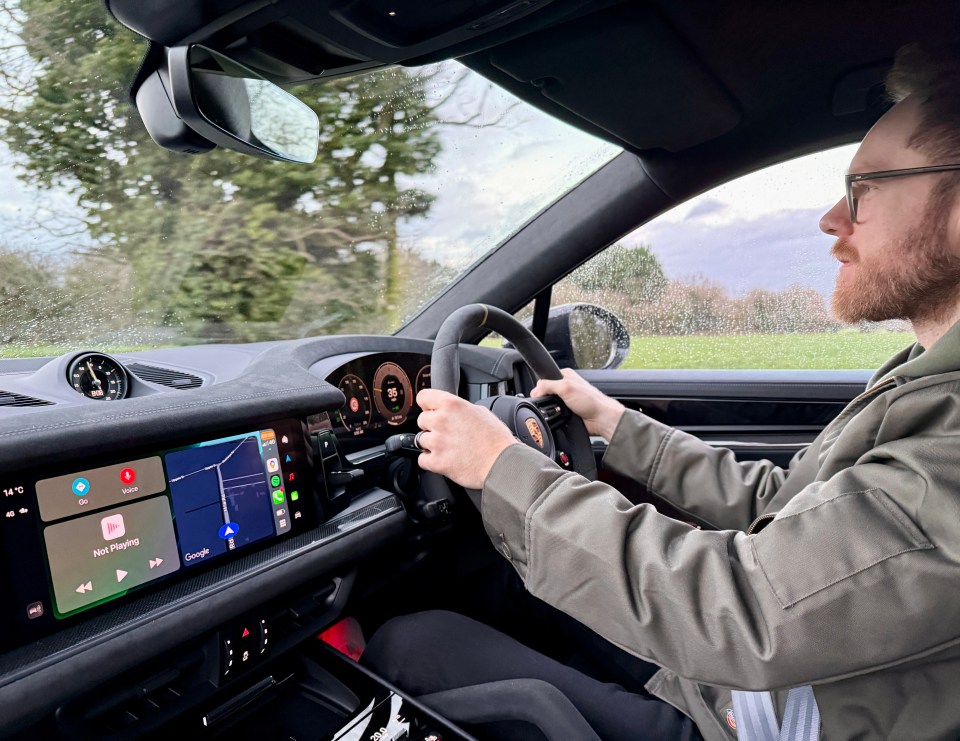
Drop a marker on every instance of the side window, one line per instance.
(738, 277)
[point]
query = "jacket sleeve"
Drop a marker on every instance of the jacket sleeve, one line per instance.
(857, 572)
(706, 482)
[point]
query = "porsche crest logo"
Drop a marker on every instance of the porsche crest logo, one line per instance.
(535, 432)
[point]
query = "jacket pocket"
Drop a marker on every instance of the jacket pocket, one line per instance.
(808, 551)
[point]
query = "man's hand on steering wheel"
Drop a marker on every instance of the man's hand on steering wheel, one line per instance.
(599, 412)
(465, 439)
(461, 440)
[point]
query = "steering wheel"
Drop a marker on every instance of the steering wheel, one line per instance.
(544, 423)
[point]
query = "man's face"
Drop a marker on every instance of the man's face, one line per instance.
(900, 259)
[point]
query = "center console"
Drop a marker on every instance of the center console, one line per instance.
(263, 675)
(323, 695)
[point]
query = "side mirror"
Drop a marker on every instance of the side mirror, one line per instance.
(198, 99)
(585, 336)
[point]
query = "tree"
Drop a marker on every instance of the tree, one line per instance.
(218, 244)
(634, 270)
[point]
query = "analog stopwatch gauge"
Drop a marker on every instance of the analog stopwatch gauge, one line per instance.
(98, 377)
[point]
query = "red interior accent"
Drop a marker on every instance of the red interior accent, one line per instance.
(346, 637)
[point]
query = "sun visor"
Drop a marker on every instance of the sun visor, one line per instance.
(625, 71)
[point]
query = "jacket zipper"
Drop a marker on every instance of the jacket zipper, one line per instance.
(754, 525)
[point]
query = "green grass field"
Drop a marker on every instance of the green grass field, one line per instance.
(846, 349)
(52, 351)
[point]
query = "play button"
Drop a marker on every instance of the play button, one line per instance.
(121, 575)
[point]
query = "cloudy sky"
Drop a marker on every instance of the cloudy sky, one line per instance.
(490, 180)
(757, 232)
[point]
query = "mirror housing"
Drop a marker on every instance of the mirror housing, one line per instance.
(197, 99)
(587, 336)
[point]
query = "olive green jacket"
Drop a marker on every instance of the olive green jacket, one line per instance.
(854, 586)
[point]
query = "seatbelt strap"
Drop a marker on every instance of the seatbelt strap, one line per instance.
(757, 719)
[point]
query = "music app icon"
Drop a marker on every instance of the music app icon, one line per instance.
(113, 527)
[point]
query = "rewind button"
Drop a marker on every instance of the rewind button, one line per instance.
(84, 588)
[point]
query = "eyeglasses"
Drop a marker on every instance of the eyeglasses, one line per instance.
(853, 179)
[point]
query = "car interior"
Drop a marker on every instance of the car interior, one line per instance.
(114, 625)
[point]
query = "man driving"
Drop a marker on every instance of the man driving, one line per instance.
(824, 601)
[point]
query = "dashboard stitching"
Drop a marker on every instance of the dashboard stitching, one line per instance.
(130, 415)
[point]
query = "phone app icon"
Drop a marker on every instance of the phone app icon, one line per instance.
(278, 496)
(273, 465)
(112, 527)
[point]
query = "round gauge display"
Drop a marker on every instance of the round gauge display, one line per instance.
(98, 377)
(392, 393)
(355, 414)
(423, 380)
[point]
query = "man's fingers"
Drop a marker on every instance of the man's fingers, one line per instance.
(425, 460)
(427, 420)
(546, 387)
(433, 399)
(424, 438)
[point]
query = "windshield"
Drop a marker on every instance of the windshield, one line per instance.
(111, 241)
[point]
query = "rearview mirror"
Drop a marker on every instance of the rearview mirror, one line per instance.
(199, 99)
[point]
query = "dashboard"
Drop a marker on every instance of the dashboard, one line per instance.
(149, 498)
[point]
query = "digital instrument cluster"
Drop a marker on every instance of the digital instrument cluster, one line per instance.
(380, 392)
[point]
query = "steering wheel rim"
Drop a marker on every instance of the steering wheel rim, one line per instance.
(573, 439)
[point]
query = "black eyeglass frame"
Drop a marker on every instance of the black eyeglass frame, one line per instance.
(852, 178)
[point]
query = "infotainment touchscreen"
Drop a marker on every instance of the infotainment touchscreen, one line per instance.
(109, 529)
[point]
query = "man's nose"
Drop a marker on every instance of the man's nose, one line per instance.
(836, 222)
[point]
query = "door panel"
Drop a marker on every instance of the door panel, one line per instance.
(756, 414)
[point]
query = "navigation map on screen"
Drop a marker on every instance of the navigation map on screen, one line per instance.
(225, 494)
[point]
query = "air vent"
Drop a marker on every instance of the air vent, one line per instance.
(9, 399)
(165, 376)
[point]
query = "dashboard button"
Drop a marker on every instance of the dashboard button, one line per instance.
(264, 636)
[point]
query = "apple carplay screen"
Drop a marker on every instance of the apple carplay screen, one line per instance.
(106, 530)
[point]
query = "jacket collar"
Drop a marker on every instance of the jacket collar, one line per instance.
(915, 362)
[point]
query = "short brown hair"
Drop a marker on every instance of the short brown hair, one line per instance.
(933, 77)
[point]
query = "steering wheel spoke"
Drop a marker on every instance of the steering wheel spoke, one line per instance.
(555, 413)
